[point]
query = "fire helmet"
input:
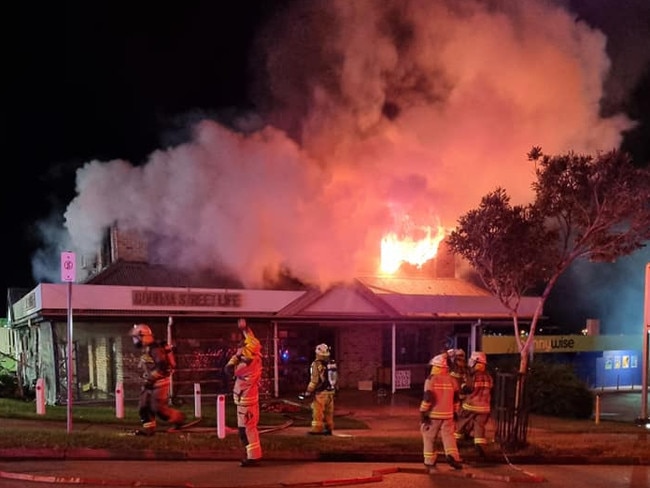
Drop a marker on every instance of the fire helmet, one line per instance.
(252, 347)
(456, 355)
(141, 334)
(440, 361)
(477, 357)
(322, 350)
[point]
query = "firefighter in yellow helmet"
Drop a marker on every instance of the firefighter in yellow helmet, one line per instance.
(437, 408)
(157, 363)
(246, 367)
(475, 409)
(323, 377)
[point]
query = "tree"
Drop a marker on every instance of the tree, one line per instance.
(584, 207)
(591, 207)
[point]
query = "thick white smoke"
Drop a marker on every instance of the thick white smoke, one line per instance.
(376, 111)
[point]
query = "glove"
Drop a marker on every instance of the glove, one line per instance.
(229, 370)
(424, 418)
(304, 395)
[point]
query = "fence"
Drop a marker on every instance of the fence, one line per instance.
(512, 410)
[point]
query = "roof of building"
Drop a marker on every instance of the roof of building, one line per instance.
(131, 286)
(129, 273)
(388, 285)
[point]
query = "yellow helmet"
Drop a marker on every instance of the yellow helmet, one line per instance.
(252, 347)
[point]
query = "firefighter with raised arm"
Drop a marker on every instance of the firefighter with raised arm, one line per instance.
(323, 378)
(475, 408)
(157, 363)
(246, 367)
(437, 409)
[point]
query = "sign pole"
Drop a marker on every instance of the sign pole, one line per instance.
(70, 349)
(170, 323)
(68, 271)
(643, 419)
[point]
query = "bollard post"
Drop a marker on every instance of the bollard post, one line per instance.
(197, 400)
(597, 416)
(221, 416)
(119, 400)
(40, 396)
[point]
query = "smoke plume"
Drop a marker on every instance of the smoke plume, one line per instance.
(375, 114)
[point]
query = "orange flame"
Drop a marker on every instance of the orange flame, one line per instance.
(396, 250)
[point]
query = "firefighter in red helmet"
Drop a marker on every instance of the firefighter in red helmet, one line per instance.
(246, 367)
(157, 363)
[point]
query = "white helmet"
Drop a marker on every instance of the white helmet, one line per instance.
(322, 350)
(477, 357)
(440, 361)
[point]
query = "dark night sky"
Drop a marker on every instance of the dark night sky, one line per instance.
(107, 80)
(104, 80)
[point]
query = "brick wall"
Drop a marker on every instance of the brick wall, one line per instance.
(361, 349)
(128, 245)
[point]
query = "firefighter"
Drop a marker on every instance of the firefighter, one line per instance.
(458, 366)
(457, 360)
(157, 363)
(246, 367)
(437, 409)
(475, 408)
(322, 385)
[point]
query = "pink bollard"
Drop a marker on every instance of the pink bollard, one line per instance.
(221, 416)
(40, 396)
(119, 400)
(197, 400)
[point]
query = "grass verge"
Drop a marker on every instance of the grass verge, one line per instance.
(96, 427)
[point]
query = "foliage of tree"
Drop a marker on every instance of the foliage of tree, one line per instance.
(499, 241)
(584, 207)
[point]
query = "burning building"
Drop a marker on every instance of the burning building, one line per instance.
(383, 329)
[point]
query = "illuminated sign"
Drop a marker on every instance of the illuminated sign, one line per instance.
(555, 344)
(185, 299)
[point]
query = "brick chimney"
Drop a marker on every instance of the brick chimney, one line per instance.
(128, 245)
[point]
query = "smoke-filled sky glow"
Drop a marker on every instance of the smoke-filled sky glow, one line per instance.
(472, 90)
(369, 118)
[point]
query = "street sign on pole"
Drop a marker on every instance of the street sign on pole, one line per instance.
(643, 419)
(68, 267)
(68, 275)
(646, 309)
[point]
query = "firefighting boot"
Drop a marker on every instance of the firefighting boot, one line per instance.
(480, 451)
(145, 432)
(430, 468)
(453, 463)
(250, 463)
(148, 428)
(177, 419)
